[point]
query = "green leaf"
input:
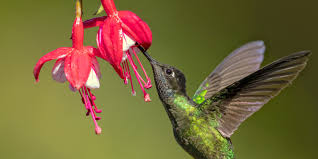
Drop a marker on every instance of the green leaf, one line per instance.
(100, 10)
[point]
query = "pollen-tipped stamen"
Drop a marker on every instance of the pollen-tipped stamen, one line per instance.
(93, 98)
(88, 104)
(148, 84)
(146, 95)
(139, 76)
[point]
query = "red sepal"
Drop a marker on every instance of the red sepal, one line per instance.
(109, 6)
(77, 68)
(56, 54)
(137, 27)
(112, 42)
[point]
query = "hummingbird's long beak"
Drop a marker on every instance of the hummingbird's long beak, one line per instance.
(150, 59)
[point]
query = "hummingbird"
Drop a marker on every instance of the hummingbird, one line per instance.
(237, 88)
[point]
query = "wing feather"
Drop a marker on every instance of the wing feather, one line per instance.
(240, 63)
(240, 100)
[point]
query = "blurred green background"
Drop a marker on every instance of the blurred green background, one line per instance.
(46, 120)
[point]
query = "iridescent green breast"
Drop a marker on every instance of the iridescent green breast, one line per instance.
(197, 134)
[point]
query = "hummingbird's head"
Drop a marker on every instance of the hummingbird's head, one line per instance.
(169, 80)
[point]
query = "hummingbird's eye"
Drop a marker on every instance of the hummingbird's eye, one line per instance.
(168, 71)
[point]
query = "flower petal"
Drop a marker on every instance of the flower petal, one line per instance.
(58, 73)
(92, 81)
(77, 68)
(72, 88)
(137, 27)
(100, 44)
(56, 54)
(112, 43)
(96, 67)
(127, 42)
(93, 52)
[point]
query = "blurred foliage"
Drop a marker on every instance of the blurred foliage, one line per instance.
(48, 121)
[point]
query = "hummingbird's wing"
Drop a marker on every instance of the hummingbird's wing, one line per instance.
(233, 104)
(239, 64)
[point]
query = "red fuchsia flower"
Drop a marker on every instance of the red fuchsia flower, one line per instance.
(119, 35)
(77, 65)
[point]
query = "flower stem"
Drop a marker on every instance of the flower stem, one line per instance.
(78, 29)
(109, 7)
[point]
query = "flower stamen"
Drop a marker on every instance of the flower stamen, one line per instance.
(89, 103)
(133, 92)
(93, 98)
(83, 100)
(125, 73)
(148, 84)
(146, 95)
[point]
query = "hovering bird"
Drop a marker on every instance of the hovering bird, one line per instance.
(236, 89)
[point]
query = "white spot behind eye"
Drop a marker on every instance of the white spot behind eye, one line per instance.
(173, 75)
